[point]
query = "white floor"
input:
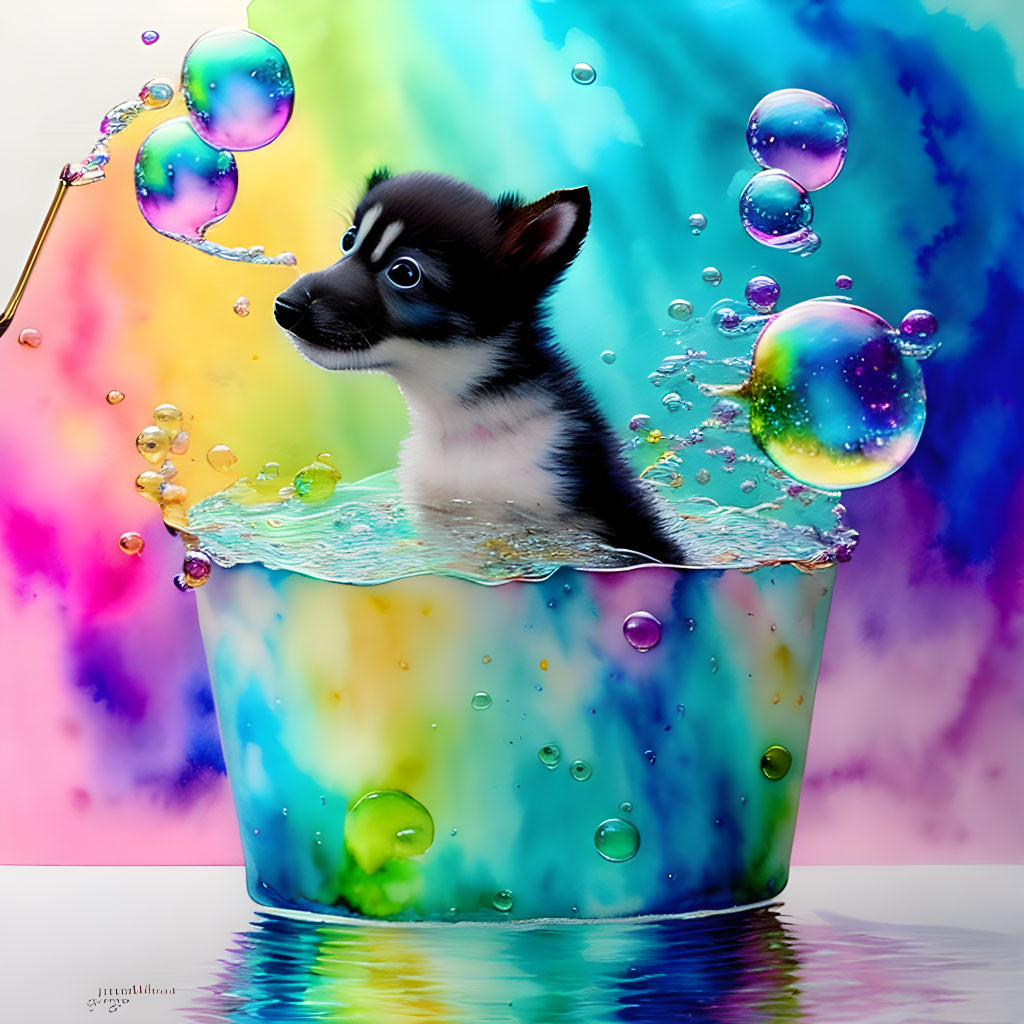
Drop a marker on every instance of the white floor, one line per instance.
(68, 934)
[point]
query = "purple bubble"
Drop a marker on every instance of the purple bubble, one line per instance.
(844, 282)
(801, 133)
(728, 319)
(638, 421)
(150, 36)
(762, 293)
(642, 630)
(197, 565)
(919, 323)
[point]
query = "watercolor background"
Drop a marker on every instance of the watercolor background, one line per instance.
(108, 745)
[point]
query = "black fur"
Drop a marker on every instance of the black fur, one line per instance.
(486, 269)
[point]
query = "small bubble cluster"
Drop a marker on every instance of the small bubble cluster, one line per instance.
(642, 630)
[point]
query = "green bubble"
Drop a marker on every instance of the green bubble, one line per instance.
(617, 840)
(385, 825)
(481, 701)
(776, 762)
(550, 755)
(503, 901)
(316, 482)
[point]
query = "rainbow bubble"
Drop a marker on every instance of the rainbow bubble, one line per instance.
(182, 184)
(833, 400)
(238, 89)
(801, 133)
(777, 211)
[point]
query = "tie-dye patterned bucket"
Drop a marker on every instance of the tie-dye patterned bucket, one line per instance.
(437, 749)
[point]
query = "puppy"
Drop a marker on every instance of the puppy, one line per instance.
(442, 288)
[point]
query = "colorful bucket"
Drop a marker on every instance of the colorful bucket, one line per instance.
(435, 749)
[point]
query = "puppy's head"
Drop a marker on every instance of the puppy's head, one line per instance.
(431, 262)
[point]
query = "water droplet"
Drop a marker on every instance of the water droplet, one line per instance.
(181, 583)
(650, 756)
(503, 901)
(762, 293)
(702, 476)
(113, 397)
(776, 697)
(583, 73)
(197, 567)
(168, 417)
(403, 664)
(698, 222)
(799, 699)
(844, 282)
(550, 755)
(747, 486)
(626, 807)
(481, 701)
(714, 665)
(642, 630)
(712, 275)
(221, 458)
(543, 664)
(617, 840)
(31, 337)
(179, 443)
(690, 624)
(316, 482)
(238, 89)
(801, 133)
(153, 444)
(454, 832)
(268, 471)
(241, 306)
(580, 771)
(726, 319)
(776, 762)
(131, 543)
(486, 659)
(150, 36)
(157, 93)
(777, 211)
(680, 309)
(608, 356)
(284, 811)
(385, 825)
(919, 324)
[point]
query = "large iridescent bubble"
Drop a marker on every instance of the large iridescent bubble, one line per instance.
(801, 133)
(182, 184)
(777, 211)
(833, 400)
(238, 89)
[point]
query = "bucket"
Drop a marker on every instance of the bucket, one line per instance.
(598, 744)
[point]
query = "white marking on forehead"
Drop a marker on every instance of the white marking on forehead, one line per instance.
(365, 225)
(390, 233)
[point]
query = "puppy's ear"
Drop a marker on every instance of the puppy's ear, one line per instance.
(377, 175)
(541, 239)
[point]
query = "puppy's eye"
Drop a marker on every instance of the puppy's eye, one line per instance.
(404, 273)
(348, 240)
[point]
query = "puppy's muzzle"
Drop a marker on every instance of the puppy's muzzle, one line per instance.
(288, 314)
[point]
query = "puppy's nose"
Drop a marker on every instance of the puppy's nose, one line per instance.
(288, 314)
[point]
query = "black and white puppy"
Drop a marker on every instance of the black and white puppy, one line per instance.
(441, 288)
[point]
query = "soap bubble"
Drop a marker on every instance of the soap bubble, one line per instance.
(238, 89)
(762, 293)
(698, 222)
(833, 400)
(680, 309)
(182, 184)
(919, 323)
(157, 93)
(150, 36)
(845, 282)
(801, 133)
(712, 275)
(777, 211)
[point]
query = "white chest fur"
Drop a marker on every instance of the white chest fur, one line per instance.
(492, 452)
